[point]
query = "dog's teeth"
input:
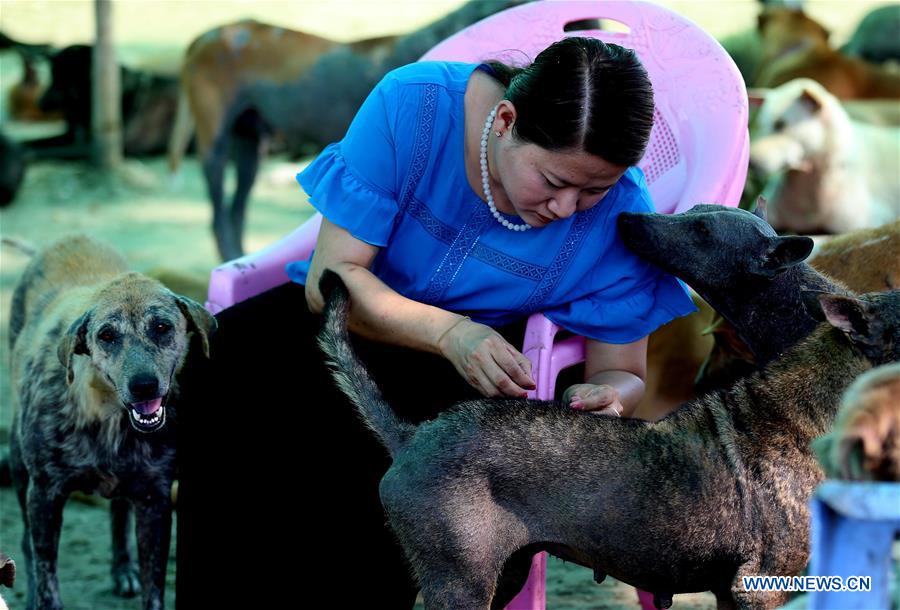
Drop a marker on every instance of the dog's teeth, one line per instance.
(147, 421)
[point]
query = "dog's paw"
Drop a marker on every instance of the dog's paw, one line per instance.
(126, 581)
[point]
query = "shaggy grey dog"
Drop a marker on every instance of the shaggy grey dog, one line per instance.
(95, 350)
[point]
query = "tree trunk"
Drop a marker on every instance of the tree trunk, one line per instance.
(106, 117)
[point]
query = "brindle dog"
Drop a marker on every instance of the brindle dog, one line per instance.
(95, 352)
(712, 493)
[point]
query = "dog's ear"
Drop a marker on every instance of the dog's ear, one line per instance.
(74, 341)
(199, 320)
(856, 319)
(760, 211)
(783, 252)
(810, 300)
(825, 32)
(811, 100)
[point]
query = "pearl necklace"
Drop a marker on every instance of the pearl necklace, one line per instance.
(484, 177)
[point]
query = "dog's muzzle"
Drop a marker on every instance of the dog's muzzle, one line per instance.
(148, 415)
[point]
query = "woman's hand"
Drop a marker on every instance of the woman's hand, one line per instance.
(486, 360)
(597, 399)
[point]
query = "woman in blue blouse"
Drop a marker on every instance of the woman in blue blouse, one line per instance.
(462, 199)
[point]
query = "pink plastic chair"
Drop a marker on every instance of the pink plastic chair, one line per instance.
(698, 152)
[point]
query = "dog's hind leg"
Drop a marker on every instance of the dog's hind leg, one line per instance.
(456, 546)
(724, 601)
(214, 171)
(513, 576)
(462, 569)
(153, 513)
(450, 589)
(249, 137)
(126, 580)
(742, 599)
(44, 508)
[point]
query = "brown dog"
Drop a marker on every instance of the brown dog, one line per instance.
(248, 81)
(795, 46)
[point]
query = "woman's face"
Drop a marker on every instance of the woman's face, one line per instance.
(540, 185)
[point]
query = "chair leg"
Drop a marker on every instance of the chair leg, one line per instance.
(533, 595)
(645, 599)
(847, 546)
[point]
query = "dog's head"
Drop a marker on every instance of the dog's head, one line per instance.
(870, 323)
(713, 248)
(136, 337)
(863, 444)
(792, 130)
(784, 31)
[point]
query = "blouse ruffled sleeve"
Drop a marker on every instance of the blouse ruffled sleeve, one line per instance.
(626, 317)
(353, 183)
(626, 297)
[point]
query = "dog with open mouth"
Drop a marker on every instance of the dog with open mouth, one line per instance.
(95, 353)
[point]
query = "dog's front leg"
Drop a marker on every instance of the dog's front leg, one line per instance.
(153, 514)
(126, 581)
(45, 510)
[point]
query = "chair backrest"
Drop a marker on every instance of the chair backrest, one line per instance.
(699, 145)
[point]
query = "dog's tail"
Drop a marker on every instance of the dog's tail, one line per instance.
(350, 373)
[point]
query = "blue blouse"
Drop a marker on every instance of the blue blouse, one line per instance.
(398, 181)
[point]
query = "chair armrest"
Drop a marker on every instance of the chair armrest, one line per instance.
(244, 277)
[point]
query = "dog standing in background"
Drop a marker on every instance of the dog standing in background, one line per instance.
(865, 442)
(827, 173)
(94, 354)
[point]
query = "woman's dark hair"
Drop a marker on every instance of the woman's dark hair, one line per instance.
(582, 94)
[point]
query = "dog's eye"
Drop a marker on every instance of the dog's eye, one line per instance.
(779, 125)
(107, 335)
(162, 327)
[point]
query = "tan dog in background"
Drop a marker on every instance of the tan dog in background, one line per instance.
(826, 173)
